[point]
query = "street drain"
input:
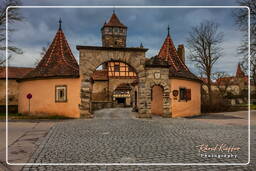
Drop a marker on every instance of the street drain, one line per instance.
(127, 160)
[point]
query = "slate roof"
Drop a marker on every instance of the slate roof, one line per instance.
(58, 61)
(114, 22)
(177, 67)
(14, 72)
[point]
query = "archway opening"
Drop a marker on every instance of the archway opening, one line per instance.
(122, 95)
(111, 85)
(157, 100)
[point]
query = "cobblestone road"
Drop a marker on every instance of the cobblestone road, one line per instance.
(116, 136)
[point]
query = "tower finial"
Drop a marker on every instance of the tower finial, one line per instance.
(168, 29)
(60, 24)
(141, 45)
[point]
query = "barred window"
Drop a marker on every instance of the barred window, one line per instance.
(61, 93)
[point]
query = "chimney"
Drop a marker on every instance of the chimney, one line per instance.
(181, 52)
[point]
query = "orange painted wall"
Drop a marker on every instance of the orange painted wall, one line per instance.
(12, 92)
(157, 100)
(186, 108)
(43, 100)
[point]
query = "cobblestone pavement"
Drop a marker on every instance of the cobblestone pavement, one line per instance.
(116, 136)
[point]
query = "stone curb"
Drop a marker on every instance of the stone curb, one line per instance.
(39, 149)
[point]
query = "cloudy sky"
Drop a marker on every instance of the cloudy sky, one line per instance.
(147, 25)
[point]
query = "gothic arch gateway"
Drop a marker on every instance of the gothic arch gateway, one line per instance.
(167, 69)
(92, 56)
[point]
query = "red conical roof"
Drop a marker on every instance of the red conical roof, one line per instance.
(168, 53)
(239, 72)
(114, 22)
(58, 61)
(177, 67)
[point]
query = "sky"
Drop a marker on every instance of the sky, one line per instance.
(145, 25)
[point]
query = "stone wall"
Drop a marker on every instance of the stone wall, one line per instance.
(100, 91)
(101, 105)
(158, 76)
(12, 92)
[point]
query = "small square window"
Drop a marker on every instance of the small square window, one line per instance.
(61, 93)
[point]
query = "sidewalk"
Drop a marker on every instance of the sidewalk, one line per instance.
(22, 141)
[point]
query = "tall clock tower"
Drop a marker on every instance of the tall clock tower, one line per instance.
(114, 33)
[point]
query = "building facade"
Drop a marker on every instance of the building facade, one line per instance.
(14, 73)
(111, 75)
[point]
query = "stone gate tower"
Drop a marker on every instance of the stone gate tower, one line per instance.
(114, 33)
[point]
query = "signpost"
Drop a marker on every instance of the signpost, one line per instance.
(29, 96)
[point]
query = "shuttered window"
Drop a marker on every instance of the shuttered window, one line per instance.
(188, 94)
(182, 94)
(185, 94)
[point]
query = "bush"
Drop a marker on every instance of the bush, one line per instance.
(219, 104)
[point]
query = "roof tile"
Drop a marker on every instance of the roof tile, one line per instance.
(58, 61)
(14, 72)
(114, 22)
(177, 66)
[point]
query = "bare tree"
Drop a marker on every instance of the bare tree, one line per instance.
(42, 53)
(241, 17)
(223, 82)
(204, 42)
(13, 16)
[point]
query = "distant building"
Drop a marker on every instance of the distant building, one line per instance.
(111, 75)
(14, 73)
(237, 85)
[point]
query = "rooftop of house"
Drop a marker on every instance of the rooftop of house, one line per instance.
(14, 72)
(58, 60)
(177, 67)
(114, 22)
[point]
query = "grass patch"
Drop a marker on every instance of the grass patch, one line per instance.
(253, 107)
(13, 116)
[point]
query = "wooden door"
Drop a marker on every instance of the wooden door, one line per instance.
(157, 100)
